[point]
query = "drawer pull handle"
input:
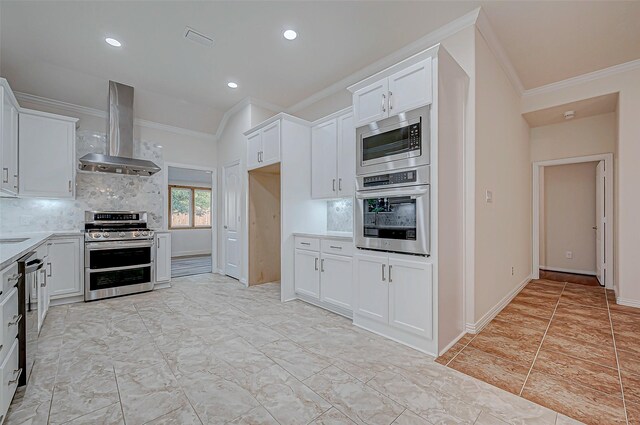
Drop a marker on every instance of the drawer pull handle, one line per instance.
(322, 265)
(16, 376)
(335, 247)
(316, 264)
(15, 321)
(14, 277)
(305, 243)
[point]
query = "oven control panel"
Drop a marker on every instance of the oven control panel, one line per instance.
(414, 136)
(403, 177)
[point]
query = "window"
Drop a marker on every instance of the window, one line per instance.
(190, 207)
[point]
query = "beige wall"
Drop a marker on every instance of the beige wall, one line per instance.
(569, 210)
(626, 170)
(503, 227)
(580, 137)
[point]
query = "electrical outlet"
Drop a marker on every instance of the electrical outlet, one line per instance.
(513, 270)
(569, 255)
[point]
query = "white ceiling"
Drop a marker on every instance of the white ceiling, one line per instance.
(582, 108)
(56, 49)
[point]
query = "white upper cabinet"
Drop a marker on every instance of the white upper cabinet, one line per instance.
(346, 155)
(410, 88)
(47, 155)
(263, 146)
(8, 142)
(407, 89)
(370, 103)
(333, 158)
(324, 164)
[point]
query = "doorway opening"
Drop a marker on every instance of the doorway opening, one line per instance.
(190, 215)
(264, 225)
(573, 220)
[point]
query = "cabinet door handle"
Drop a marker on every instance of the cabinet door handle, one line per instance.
(340, 184)
(50, 269)
(383, 278)
(390, 266)
(316, 266)
(322, 265)
(15, 277)
(390, 108)
(15, 321)
(70, 186)
(335, 247)
(384, 98)
(5, 175)
(334, 185)
(16, 376)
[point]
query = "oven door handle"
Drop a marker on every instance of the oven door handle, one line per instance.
(392, 193)
(99, 246)
(113, 269)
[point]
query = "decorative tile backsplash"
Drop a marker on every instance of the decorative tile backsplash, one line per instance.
(340, 215)
(94, 191)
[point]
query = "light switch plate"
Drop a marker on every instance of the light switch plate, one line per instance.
(489, 196)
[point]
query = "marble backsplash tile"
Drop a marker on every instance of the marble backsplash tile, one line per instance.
(340, 215)
(94, 191)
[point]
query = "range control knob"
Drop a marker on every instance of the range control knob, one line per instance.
(105, 235)
(96, 235)
(136, 234)
(145, 233)
(121, 234)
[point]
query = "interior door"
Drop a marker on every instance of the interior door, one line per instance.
(232, 198)
(324, 139)
(601, 224)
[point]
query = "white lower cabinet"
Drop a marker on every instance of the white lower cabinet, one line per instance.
(10, 372)
(324, 278)
(396, 291)
(163, 257)
(65, 268)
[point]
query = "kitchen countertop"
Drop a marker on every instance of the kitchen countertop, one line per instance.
(10, 252)
(345, 236)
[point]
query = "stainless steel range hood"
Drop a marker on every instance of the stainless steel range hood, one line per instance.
(119, 138)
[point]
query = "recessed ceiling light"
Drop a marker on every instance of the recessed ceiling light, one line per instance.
(290, 34)
(232, 85)
(113, 42)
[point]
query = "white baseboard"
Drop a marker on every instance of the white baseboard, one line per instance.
(561, 270)
(628, 302)
(220, 271)
(162, 285)
(244, 281)
(189, 254)
(476, 327)
(452, 343)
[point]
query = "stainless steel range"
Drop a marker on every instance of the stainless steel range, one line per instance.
(119, 254)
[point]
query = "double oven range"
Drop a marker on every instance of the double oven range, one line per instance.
(119, 254)
(392, 211)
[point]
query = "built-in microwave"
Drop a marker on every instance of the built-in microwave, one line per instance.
(396, 142)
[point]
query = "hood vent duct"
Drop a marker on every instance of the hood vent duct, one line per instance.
(119, 139)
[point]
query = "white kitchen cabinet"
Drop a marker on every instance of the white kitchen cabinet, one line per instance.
(47, 155)
(163, 257)
(10, 320)
(406, 89)
(263, 146)
(324, 163)
(333, 158)
(43, 295)
(10, 372)
(336, 275)
(8, 141)
(65, 267)
(411, 296)
(372, 290)
(370, 103)
(307, 277)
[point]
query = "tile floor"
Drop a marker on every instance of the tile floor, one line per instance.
(565, 346)
(569, 277)
(209, 351)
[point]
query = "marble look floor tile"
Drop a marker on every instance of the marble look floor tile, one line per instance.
(581, 372)
(577, 294)
(256, 416)
(294, 359)
(182, 416)
(576, 401)
(539, 299)
(360, 403)
(582, 313)
(633, 413)
(409, 418)
(257, 334)
(333, 417)
(631, 385)
(495, 370)
(545, 286)
(149, 393)
(425, 401)
(582, 332)
(544, 311)
(565, 420)
(511, 314)
(241, 355)
(600, 354)
(457, 347)
(110, 415)
(32, 414)
(128, 361)
(629, 362)
(487, 419)
(287, 399)
(513, 343)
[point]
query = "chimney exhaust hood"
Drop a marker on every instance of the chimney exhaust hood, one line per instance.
(119, 138)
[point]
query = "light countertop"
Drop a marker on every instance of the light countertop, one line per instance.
(346, 236)
(10, 252)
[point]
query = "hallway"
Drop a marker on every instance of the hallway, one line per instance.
(566, 346)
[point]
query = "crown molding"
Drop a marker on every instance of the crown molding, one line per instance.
(420, 44)
(241, 105)
(486, 30)
(83, 110)
(584, 78)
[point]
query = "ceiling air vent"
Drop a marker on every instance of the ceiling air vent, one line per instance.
(196, 37)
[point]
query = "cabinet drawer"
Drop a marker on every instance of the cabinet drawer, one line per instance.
(338, 247)
(9, 278)
(10, 373)
(10, 320)
(310, 244)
